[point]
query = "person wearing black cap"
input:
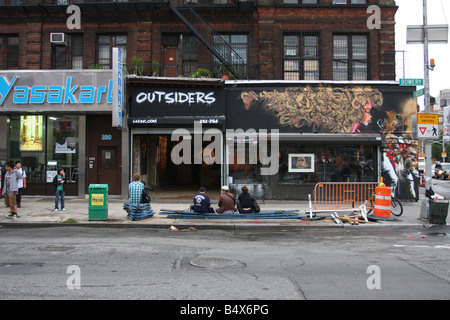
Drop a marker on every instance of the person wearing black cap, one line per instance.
(202, 203)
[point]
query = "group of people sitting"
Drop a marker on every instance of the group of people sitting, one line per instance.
(228, 204)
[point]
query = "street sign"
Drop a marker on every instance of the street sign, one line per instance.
(411, 82)
(418, 93)
(437, 33)
(427, 126)
(428, 118)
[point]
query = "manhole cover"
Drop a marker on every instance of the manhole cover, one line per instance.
(212, 262)
(54, 248)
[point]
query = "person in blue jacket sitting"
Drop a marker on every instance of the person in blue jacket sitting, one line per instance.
(202, 203)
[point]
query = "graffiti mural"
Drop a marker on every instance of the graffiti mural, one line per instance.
(324, 109)
(384, 109)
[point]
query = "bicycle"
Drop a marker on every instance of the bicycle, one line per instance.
(396, 205)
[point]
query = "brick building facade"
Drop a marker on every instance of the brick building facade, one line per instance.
(270, 38)
(314, 45)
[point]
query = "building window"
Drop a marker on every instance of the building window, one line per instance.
(105, 45)
(44, 143)
(350, 57)
(70, 56)
(349, 1)
(234, 49)
(329, 163)
(301, 56)
(190, 54)
(300, 1)
(9, 52)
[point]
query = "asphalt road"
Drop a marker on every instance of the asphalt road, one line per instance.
(108, 263)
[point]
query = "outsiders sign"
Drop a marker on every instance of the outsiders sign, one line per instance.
(177, 102)
(50, 90)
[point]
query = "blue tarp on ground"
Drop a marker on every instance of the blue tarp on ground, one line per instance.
(138, 211)
(272, 214)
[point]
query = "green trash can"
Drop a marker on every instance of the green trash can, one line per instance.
(98, 202)
(438, 211)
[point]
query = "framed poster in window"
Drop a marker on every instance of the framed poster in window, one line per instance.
(301, 162)
(31, 133)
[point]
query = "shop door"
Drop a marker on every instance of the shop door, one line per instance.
(108, 170)
(170, 61)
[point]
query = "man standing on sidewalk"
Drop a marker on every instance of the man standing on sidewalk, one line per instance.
(12, 177)
(22, 183)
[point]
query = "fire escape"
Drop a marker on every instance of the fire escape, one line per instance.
(221, 49)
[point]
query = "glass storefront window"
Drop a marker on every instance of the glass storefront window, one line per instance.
(44, 143)
(62, 146)
(326, 163)
(240, 168)
(26, 143)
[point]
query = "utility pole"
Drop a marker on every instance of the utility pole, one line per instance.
(427, 94)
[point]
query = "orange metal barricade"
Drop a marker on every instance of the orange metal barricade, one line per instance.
(343, 195)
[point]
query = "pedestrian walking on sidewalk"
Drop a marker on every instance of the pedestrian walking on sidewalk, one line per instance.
(10, 190)
(59, 182)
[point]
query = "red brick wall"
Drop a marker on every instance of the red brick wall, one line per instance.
(264, 25)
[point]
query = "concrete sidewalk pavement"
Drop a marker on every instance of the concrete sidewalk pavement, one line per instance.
(39, 212)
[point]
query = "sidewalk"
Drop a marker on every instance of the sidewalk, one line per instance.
(39, 212)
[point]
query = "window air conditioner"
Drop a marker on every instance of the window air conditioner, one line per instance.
(58, 38)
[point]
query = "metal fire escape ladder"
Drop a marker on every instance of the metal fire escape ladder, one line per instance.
(204, 37)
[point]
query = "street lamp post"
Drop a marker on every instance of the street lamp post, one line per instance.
(427, 94)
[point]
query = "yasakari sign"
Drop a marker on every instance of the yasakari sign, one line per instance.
(47, 90)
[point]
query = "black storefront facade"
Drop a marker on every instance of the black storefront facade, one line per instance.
(262, 131)
(169, 120)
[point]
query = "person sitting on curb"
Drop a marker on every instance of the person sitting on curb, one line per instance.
(246, 203)
(202, 203)
(227, 202)
(135, 189)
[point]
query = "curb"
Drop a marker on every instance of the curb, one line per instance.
(185, 227)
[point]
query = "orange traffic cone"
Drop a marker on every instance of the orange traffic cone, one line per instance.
(422, 183)
(382, 205)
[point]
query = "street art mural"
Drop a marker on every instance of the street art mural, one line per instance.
(325, 109)
(383, 109)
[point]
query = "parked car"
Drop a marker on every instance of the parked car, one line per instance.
(442, 170)
(433, 170)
